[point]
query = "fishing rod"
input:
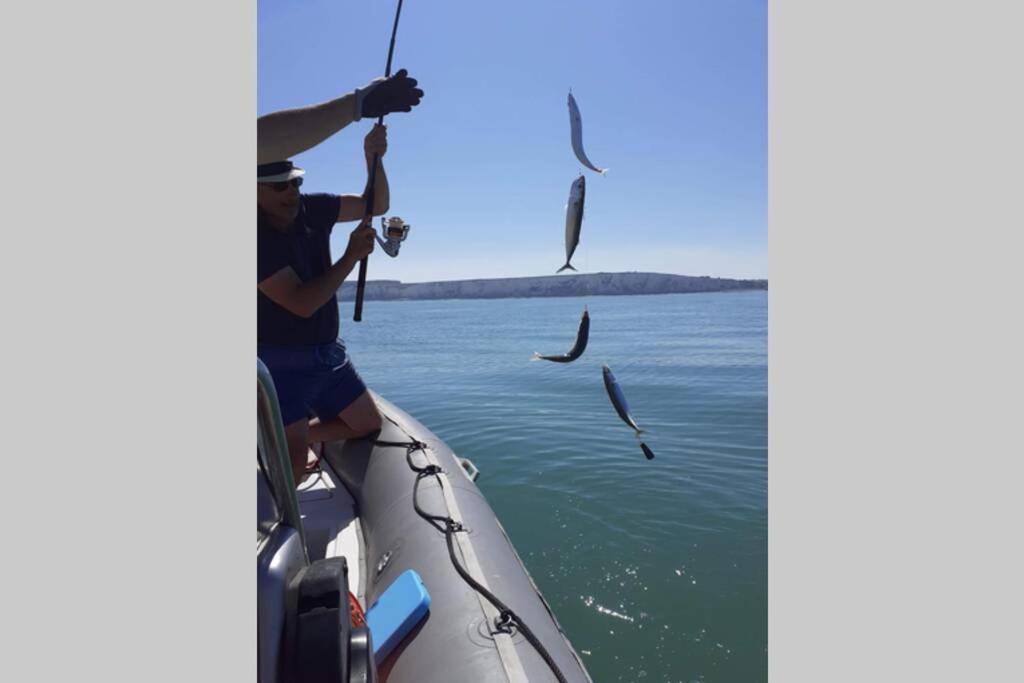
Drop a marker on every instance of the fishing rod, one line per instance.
(368, 218)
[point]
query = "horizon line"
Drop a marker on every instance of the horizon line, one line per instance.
(572, 275)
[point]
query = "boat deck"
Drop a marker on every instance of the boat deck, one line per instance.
(331, 524)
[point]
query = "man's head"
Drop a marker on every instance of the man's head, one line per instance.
(277, 190)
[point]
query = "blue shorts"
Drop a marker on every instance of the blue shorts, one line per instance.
(312, 380)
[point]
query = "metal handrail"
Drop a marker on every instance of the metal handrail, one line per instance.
(272, 442)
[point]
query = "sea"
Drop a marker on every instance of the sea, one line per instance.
(656, 569)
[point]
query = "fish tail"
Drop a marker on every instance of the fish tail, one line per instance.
(566, 266)
(535, 356)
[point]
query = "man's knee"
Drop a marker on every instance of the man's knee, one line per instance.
(376, 421)
(368, 423)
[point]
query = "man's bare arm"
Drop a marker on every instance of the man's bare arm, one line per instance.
(304, 299)
(283, 134)
(353, 207)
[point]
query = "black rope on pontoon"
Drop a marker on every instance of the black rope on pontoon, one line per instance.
(507, 619)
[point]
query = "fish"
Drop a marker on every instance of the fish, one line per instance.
(576, 124)
(573, 220)
(618, 400)
(582, 335)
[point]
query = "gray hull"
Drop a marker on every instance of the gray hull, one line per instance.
(457, 643)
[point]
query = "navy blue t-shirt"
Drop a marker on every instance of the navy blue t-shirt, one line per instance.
(306, 247)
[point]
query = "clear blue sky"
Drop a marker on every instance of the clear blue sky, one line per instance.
(673, 95)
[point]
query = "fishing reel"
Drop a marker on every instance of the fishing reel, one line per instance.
(395, 230)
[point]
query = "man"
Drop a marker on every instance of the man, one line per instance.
(283, 134)
(297, 306)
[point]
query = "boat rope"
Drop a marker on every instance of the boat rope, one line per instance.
(506, 650)
(507, 621)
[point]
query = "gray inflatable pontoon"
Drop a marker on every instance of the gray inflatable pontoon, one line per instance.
(362, 506)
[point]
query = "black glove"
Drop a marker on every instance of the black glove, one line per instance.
(387, 95)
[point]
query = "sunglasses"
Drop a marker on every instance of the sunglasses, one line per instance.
(284, 184)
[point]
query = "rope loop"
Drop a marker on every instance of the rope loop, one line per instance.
(505, 621)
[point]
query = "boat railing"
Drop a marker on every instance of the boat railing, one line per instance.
(273, 449)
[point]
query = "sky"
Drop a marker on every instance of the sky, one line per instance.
(673, 97)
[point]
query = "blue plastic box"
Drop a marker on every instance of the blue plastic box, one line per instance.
(397, 611)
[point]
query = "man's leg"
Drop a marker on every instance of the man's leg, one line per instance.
(359, 419)
(298, 448)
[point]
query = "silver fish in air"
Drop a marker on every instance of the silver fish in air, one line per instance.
(573, 220)
(576, 124)
(582, 335)
(618, 400)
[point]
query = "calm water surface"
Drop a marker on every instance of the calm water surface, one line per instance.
(656, 569)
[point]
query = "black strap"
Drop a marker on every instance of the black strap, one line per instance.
(507, 621)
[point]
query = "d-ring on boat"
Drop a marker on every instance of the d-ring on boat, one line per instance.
(377, 508)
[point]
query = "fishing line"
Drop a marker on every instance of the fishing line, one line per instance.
(361, 284)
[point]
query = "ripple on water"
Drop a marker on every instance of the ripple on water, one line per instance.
(669, 554)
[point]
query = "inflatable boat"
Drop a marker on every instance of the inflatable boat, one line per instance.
(373, 510)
